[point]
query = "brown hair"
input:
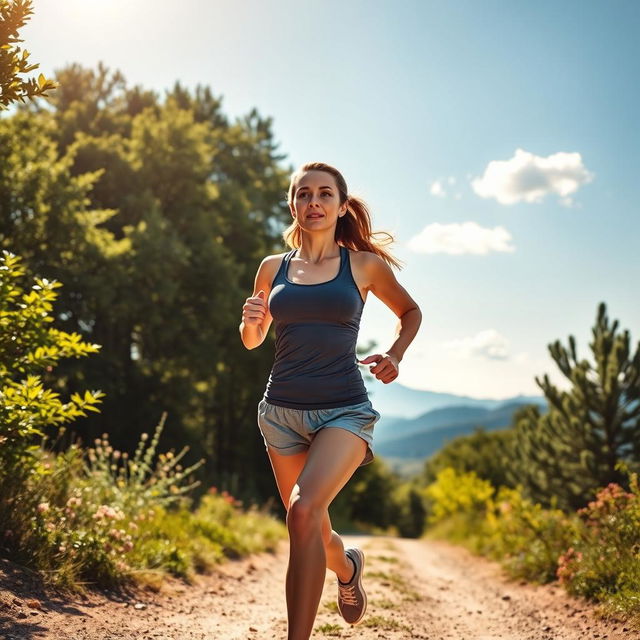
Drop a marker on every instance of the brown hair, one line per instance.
(353, 229)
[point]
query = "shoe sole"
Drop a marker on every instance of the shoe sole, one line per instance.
(364, 608)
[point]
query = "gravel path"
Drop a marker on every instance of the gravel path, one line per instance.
(416, 588)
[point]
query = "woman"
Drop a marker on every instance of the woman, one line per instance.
(315, 417)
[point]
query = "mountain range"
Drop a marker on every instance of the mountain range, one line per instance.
(415, 424)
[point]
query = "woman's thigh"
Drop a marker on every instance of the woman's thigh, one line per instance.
(286, 470)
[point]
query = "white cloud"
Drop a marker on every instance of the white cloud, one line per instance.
(529, 178)
(489, 344)
(437, 189)
(458, 239)
(437, 186)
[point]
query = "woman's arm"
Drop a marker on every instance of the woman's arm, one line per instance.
(383, 284)
(256, 318)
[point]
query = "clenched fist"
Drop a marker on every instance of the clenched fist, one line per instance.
(254, 309)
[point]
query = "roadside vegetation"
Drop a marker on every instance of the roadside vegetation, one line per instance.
(96, 516)
(556, 496)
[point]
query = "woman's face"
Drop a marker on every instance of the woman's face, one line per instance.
(316, 201)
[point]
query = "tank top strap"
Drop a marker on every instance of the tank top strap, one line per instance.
(284, 266)
(345, 271)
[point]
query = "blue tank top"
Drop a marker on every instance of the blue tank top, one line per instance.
(316, 328)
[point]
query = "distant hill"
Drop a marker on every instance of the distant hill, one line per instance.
(402, 402)
(423, 436)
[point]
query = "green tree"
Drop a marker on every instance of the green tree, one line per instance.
(14, 60)
(409, 512)
(570, 452)
(191, 202)
(368, 496)
(485, 452)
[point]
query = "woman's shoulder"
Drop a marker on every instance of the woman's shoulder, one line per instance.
(271, 263)
(365, 259)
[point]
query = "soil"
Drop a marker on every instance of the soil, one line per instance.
(418, 589)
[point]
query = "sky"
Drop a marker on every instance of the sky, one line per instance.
(496, 139)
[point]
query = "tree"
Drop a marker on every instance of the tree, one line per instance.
(191, 202)
(484, 452)
(573, 450)
(13, 16)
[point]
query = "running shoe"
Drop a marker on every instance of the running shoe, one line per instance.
(352, 600)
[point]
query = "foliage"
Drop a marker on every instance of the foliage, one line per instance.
(133, 484)
(410, 513)
(155, 214)
(29, 344)
(604, 562)
(483, 452)
(574, 448)
(14, 60)
(74, 527)
(456, 493)
(367, 499)
(527, 538)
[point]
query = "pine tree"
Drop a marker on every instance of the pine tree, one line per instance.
(564, 456)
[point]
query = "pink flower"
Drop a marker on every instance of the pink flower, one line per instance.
(43, 507)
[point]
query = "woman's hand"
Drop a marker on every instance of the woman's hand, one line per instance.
(386, 368)
(254, 310)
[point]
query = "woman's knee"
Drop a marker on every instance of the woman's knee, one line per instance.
(305, 516)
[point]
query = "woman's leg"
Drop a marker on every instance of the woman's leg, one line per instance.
(332, 458)
(286, 470)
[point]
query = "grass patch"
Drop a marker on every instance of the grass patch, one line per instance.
(398, 583)
(329, 629)
(389, 559)
(332, 606)
(384, 623)
(384, 604)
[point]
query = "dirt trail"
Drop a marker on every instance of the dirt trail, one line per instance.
(416, 589)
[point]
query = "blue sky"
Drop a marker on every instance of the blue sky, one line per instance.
(498, 140)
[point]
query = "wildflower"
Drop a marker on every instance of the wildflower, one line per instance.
(49, 526)
(121, 566)
(104, 511)
(133, 526)
(43, 507)
(127, 546)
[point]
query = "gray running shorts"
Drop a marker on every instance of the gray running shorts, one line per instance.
(290, 431)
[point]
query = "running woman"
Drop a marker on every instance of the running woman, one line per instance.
(315, 417)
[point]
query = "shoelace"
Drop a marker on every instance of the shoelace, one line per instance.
(348, 595)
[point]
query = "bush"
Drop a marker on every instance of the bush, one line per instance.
(605, 560)
(29, 345)
(525, 537)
